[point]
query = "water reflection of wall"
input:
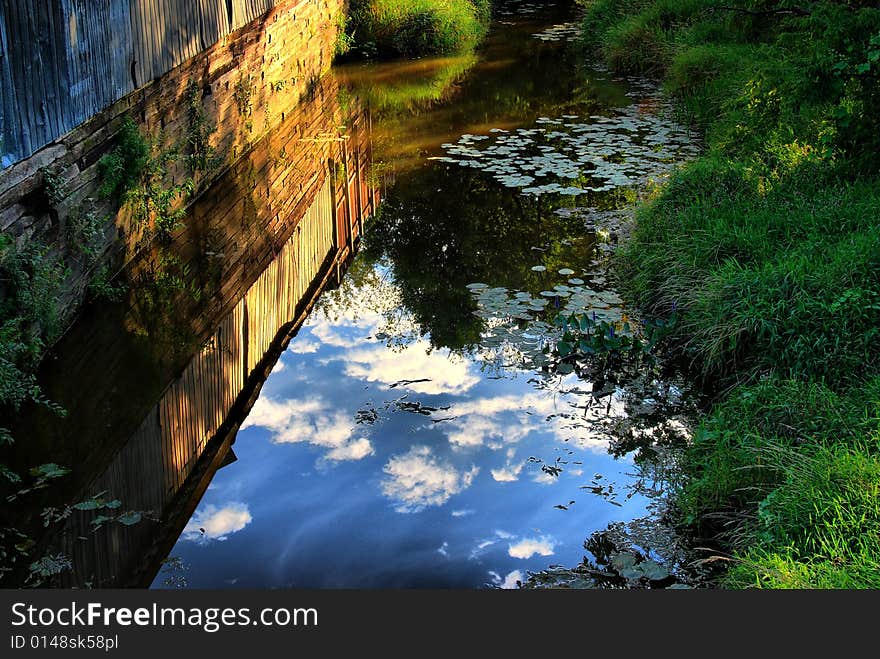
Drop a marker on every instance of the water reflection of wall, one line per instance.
(235, 69)
(300, 218)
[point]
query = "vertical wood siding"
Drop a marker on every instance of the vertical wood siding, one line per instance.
(63, 61)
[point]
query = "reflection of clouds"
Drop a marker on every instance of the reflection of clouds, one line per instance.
(417, 479)
(356, 450)
(544, 478)
(497, 421)
(373, 361)
(507, 474)
(462, 513)
(446, 373)
(336, 335)
(509, 582)
(303, 346)
(310, 420)
(214, 523)
(503, 418)
(528, 547)
(443, 549)
(373, 308)
(484, 544)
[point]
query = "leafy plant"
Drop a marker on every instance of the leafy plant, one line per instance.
(55, 187)
(243, 95)
(121, 169)
(84, 232)
(200, 154)
(417, 28)
(345, 36)
(102, 288)
(584, 336)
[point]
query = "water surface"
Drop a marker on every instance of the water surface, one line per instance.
(413, 433)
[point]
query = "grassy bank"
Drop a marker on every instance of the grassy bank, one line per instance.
(415, 28)
(769, 247)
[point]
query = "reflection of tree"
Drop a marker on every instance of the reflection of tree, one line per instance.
(638, 405)
(366, 291)
(442, 228)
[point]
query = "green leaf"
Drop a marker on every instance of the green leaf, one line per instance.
(129, 519)
(9, 475)
(100, 520)
(653, 570)
(88, 504)
(50, 470)
(622, 561)
(50, 565)
(632, 573)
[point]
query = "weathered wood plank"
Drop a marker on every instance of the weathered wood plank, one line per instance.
(9, 144)
(62, 61)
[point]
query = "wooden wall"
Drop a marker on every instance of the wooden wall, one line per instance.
(64, 61)
(273, 60)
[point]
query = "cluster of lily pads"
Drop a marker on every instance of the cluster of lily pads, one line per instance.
(516, 8)
(526, 323)
(561, 32)
(573, 296)
(570, 155)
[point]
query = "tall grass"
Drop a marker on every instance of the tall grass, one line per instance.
(819, 527)
(769, 247)
(415, 28)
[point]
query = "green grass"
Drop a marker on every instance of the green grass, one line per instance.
(768, 247)
(415, 28)
(819, 527)
(735, 458)
(784, 282)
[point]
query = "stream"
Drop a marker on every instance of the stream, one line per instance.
(407, 402)
(411, 434)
